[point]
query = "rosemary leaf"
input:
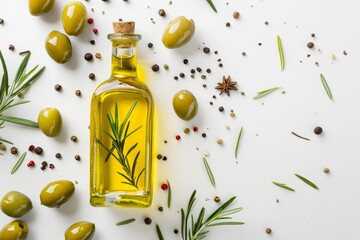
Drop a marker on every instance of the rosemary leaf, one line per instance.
(169, 194)
(18, 163)
(297, 135)
(209, 172)
(159, 232)
(128, 221)
(237, 142)
(326, 87)
(283, 185)
(225, 223)
(307, 181)
(212, 5)
(19, 121)
(281, 53)
(265, 92)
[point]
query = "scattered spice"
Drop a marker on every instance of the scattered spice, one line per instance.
(58, 155)
(98, 55)
(185, 61)
(147, 221)
(227, 24)
(2, 147)
(160, 209)
(297, 135)
(313, 35)
(243, 53)
(221, 109)
(195, 129)
(74, 138)
(208, 70)
(58, 87)
(203, 135)
(345, 53)
(88, 57)
(164, 186)
(31, 148)
(155, 68)
(186, 130)
(51, 166)
(219, 141)
(206, 50)
(14, 150)
(78, 93)
(326, 170)
(318, 130)
(182, 75)
(216, 199)
(176, 231)
(162, 13)
(226, 85)
(199, 69)
(11, 47)
(236, 15)
(159, 156)
(268, 231)
(2, 21)
(150, 45)
(310, 45)
(92, 76)
(77, 157)
(95, 31)
(178, 137)
(90, 20)
(92, 42)
(164, 158)
(38, 150)
(31, 163)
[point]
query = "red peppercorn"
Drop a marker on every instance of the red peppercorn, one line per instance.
(90, 21)
(31, 163)
(196, 129)
(178, 137)
(31, 148)
(164, 186)
(51, 166)
(95, 30)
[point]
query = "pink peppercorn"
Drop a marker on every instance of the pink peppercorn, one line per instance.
(95, 30)
(178, 137)
(51, 166)
(31, 163)
(31, 148)
(90, 21)
(164, 186)
(196, 129)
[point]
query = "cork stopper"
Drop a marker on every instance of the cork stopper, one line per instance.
(124, 27)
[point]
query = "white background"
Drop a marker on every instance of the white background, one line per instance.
(267, 152)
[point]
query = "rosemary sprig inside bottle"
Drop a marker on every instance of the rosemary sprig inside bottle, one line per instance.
(118, 136)
(199, 226)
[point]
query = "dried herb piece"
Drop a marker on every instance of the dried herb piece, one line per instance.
(209, 172)
(281, 53)
(158, 231)
(169, 194)
(18, 163)
(297, 135)
(283, 185)
(307, 181)
(128, 221)
(265, 92)
(238, 141)
(212, 5)
(199, 226)
(226, 85)
(326, 87)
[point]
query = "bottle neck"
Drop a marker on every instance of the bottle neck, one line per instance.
(124, 58)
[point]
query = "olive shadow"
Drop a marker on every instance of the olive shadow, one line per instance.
(72, 206)
(53, 15)
(73, 63)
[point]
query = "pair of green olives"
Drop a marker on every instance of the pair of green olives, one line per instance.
(15, 204)
(185, 105)
(57, 193)
(50, 122)
(178, 32)
(57, 44)
(16, 230)
(80, 231)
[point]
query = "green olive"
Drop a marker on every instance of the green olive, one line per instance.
(185, 105)
(50, 122)
(80, 231)
(57, 193)
(74, 18)
(15, 204)
(58, 46)
(40, 7)
(178, 32)
(16, 230)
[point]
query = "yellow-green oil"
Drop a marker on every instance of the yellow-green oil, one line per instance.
(108, 186)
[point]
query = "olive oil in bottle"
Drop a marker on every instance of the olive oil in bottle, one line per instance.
(121, 129)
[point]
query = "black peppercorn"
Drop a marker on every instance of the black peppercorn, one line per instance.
(198, 69)
(228, 24)
(176, 78)
(208, 70)
(192, 71)
(216, 199)
(313, 35)
(176, 231)
(13, 150)
(206, 50)
(147, 221)
(221, 65)
(58, 155)
(58, 87)
(182, 75)
(221, 109)
(78, 93)
(38, 150)
(88, 57)
(243, 53)
(185, 61)
(77, 157)
(159, 156)
(161, 209)
(318, 130)
(162, 13)
(155, 68)
(11, 47)
(203, 135)
(92, 76)
(268, 230)
(310, 45)
(92, 42)
(74, 138)
(150, 45)
(164, 158)
(1, 21)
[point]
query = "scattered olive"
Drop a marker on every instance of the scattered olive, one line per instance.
(40, 7)
(16, 230)
(178, 32)
(185, 105)
(15, 204)
(74, 18)
(58, 46)
(57, 193)
(80, 230)
(50, 122)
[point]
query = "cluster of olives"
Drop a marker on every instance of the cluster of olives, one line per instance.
(16, 204)
(57, 44)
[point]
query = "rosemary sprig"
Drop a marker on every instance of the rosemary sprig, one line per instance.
(281, 53)
(119, 134)
(283, 185)
(169, 194)
(237, 142)
(158, 231)
(198, 229)
(326, 87)
(212, 5)
(125, 222)
(209, 172)
(18, 163)
(8, 93)
(297, 135)
(307, 181)
(265, 92)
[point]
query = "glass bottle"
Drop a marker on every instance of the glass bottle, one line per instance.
(121, 129)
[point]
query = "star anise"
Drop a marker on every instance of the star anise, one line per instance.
(226, 85)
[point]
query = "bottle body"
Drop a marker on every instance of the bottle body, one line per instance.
(121, 132)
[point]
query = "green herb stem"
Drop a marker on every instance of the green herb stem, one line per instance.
(169, 194)
(297, 135)
(265, 92)
(307, 181)
(159, 233)
(212, 5)
(326, 87)
(18, 163)
(283, 185)
(281, 53)
(238, 141)
(125, 222)
(209, 172)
